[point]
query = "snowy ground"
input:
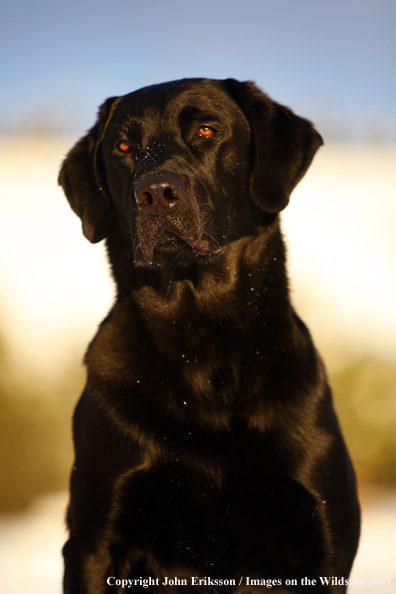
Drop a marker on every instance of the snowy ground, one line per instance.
(377, 551)
(30, 546)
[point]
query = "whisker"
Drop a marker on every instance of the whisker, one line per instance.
(211, 237)
(171, 278)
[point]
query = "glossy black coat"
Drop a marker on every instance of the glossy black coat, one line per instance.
(206, 441)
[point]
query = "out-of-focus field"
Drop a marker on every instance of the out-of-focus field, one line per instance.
(55, 288)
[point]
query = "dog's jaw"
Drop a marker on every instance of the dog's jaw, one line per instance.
(180, 239)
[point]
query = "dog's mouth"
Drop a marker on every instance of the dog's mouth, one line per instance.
(157, 240)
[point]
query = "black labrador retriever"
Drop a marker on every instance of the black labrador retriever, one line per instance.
(208, 453)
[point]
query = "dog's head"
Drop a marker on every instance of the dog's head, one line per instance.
(186, 166)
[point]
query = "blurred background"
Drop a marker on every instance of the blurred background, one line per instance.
(332, 61)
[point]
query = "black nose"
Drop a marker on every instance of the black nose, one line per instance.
(159, 193)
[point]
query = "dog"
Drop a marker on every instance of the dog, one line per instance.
(207, 449)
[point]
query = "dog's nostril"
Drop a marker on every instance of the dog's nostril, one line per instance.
(168, 194)
(148, 198)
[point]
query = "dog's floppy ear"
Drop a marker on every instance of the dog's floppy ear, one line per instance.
(283, 146)
(82, 181)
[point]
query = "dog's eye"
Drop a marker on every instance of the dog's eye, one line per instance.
(206, 131)
(124, 146)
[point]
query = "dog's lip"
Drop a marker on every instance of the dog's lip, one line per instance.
(171, 240)
(176, 248)
(173, 235)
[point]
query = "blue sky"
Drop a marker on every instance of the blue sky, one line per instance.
(333, 61)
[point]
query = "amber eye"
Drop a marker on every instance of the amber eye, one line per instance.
(124, 146)
(206, 131)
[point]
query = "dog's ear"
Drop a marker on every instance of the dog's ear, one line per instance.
(82, 179)
(283, 146)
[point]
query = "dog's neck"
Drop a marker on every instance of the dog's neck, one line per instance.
(241, 287)
(229, 318)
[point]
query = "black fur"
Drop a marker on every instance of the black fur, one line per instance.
(206, 440)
